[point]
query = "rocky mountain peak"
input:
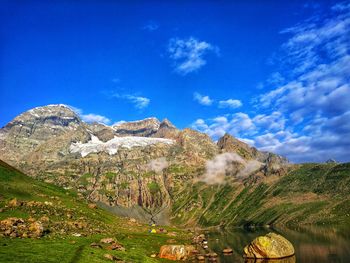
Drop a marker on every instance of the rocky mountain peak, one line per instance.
(228, 143)
(166, 124)
(144, 128)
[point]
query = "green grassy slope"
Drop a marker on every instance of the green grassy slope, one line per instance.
(310, 194)
(62, 208)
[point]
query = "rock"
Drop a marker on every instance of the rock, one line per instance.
(109, 256)
(107, 240)
(76, 235)
(198, 239)
(153, 256)
(227, 251)
(95, 245)
(270, 246)
(14, 203)
(36, 229)
(116, 246)
(176, 252)
(132, 220)
(200, 258)
(92, 206)
(172, 234)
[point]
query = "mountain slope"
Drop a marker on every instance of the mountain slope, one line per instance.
(309, 194)
(64, 217)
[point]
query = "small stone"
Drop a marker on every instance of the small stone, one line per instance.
(153, 256)
(109, 256)
(92, 206)
(13, 203)
(36, 229)
(116, 246)
(227, 251)
(107, 240)
(95, 245)
(201, 258)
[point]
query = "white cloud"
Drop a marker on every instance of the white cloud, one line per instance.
(188, 54)
(230, 103)
(204, 100)
(238, 124)
(90, 117)
(138, 101)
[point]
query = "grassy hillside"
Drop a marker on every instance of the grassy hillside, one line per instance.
(65, 217)
(310, 194)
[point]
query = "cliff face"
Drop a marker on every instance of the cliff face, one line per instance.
(135, 164)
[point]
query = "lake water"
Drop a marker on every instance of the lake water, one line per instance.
(311, 244)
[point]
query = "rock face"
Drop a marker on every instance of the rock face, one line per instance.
(270, 246)
(144, 128)
(176, 252)
(128, 165)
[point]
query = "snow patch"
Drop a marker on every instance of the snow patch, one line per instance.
(111, 147)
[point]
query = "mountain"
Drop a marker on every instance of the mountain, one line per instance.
(146, 169)
(47, 223)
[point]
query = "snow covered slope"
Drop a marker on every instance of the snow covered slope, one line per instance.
(111, 147)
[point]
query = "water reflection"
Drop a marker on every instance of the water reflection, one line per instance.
(311, 244)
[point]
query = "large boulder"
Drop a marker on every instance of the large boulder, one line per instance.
(176, 252)
(270, 246)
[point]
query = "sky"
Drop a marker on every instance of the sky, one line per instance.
(275, 74)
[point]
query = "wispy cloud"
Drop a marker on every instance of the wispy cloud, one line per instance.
(90, 117)
(139, 102)
(151, 26)
(201, 99)
(230, 103)
(188, 54)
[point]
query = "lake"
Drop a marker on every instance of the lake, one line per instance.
(311, 244)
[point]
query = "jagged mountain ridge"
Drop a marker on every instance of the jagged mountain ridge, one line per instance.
(110, 164)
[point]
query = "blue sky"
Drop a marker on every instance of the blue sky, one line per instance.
(273, 73)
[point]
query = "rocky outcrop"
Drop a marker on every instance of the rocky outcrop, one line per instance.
(176, 252)
(144, 128)
(228, 143)
(270, 246)
(17, 227)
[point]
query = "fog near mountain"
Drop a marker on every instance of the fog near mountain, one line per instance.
(157, 165)
(217, 168)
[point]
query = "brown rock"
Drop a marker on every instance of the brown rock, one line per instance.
(107, 240)
(270, 246)
(227, 251)
(201, 258)
(116, 246)
(14, 203)
(92, 206)
(109, 256)
(36, 229)
(176, 252)
(95, 245)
